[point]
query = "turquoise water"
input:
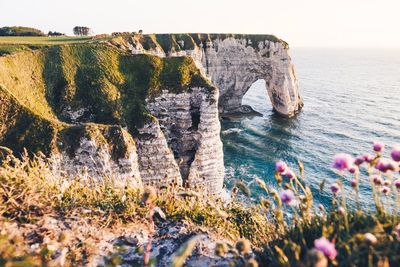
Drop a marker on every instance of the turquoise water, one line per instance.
(352, 98)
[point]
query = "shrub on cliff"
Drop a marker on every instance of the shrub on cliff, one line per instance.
(20, 31)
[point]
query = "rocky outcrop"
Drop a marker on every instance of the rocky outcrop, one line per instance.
(232, 62)
(145, 112)
(102, 113)
(156, 160)
(99, 152)
(191, 125)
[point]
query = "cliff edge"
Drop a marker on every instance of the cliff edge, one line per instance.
(233, 62)
(143, 109)
(140, 119)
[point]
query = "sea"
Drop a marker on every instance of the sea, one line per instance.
(351, 99)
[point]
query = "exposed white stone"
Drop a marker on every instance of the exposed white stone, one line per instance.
(192, 130)
(233, 65)
(182, 145)
(92, 159)
(156, 160)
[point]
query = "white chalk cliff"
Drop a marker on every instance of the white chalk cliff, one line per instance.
(233, 63)
(88, 110)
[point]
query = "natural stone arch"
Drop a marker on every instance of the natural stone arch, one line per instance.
(255, 102)
(234, 67)
(233, 62)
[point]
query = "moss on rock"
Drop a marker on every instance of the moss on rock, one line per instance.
(21, 128)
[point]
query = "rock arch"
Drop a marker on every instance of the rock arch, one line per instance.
(234, 67)
(233, 62)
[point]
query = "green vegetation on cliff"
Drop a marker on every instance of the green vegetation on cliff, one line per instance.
(171, 43)
(22, 128)
(88, 83)
(20, 31)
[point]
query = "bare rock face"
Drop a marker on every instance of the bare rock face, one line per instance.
(192, 129)
(156, 160)
(99, 152)
(233, 63)
(147, 118)
(234, 66)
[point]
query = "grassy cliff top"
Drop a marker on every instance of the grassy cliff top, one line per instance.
(188, 41)
(169, 42)
(85, 83)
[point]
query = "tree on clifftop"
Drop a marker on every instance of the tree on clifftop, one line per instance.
(82, 31)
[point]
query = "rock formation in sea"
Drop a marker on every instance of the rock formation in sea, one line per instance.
(233, 62)
(143, 109)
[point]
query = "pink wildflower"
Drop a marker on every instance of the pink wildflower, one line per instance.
(370, 238)
(280, 166)
(342, 161)
(335, 188)
(396, 153)
(368, 158)
(378, 147)
(287, 196)
(289, 173)
(359, 160)
(325, 246)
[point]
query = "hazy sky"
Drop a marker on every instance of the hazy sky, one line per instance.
(369, 23)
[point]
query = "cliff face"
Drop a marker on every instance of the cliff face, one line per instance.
(232, 62)
(98, 110)
(142, 109)
(191, 125)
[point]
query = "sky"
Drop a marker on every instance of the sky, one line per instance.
(302, 23)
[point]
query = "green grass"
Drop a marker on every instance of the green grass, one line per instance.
(45, 40)
(110, 84)
(12, 44)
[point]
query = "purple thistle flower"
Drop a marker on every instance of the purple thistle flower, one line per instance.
(376, 179)
(353, 182)
(335, 188)
(287, 196)
(385, 190)
(368, 158)
(378, 147)
(280, 166)
(325, 246)
(342, 161)
(289, 173)
(396, 153)
(397, 184)
(385, 165)
(353, 169)
(359, 160)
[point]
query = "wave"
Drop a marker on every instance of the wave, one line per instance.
(232, 131)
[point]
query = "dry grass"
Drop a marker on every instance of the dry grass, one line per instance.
(34, 196)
